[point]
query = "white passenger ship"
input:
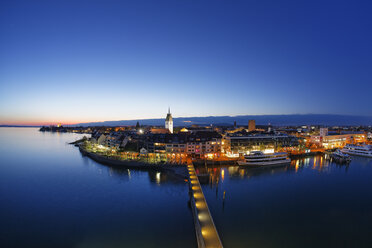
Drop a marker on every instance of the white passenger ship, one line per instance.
(259, 159)
(365, 150)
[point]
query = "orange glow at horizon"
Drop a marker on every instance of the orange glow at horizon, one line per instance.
(54, 121)
(37, 123)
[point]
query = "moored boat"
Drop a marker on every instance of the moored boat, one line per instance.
(363, 150)
(259, 159)
(340, 157)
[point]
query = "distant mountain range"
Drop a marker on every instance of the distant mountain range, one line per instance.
(276, 120)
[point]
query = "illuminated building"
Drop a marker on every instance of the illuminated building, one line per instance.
(159, 130)
(244, 142)
(195, 144)
(169, 121)
(337, 141)
(101, 139)
(204, 143)
(251, 125)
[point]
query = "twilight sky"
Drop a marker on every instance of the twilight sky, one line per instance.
(79, 61)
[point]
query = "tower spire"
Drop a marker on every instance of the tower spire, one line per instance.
(169, 121)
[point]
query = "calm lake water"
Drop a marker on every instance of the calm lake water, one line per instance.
(52, 196)
(312, 203)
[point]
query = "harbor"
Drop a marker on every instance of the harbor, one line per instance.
(185, 124)
(206, 232)
(131, 200)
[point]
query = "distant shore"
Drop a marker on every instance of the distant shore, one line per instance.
(19, 126)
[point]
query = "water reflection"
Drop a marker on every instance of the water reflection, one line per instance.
(248, 173)
(213, 175)
(54, 197)
(312, 202)
(163, 177)
(320, 163)
(155, 176)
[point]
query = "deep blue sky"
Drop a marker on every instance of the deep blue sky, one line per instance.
(76, 61)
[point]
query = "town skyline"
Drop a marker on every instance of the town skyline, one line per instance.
(185, 123)
(278, 120)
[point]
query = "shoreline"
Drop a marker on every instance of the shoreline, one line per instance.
(177, 170)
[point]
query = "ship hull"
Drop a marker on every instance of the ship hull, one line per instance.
(264, 163)
(357, 154)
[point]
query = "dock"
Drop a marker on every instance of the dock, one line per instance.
(206, 232)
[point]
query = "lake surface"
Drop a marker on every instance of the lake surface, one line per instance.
(52, 196)
(312, 203)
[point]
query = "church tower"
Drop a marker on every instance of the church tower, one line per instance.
(169, 121)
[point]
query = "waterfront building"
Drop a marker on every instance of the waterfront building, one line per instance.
(205, 143)
(165, 143)
(240, 143)
(175, 148)
(176, 143)
(251, 125)
(169, 121)
(115, 140)
(101, 139)
(95, 136)
(338, 140)
(197, 144)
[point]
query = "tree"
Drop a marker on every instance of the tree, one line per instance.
(137, 125)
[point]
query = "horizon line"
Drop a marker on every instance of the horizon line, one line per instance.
(47, 123)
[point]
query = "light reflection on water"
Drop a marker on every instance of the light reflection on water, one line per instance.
(319, 163)
(312, 202)
(52, 196)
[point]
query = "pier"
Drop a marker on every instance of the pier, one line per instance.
(206, 232)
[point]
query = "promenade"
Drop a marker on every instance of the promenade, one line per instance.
(206, 232)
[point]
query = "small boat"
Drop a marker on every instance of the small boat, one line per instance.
(340, 157)
(364, 150)
(259, 159)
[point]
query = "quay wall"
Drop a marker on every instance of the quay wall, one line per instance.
(302, 155)
(178, 170)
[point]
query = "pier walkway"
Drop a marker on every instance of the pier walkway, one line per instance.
(206, 232)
